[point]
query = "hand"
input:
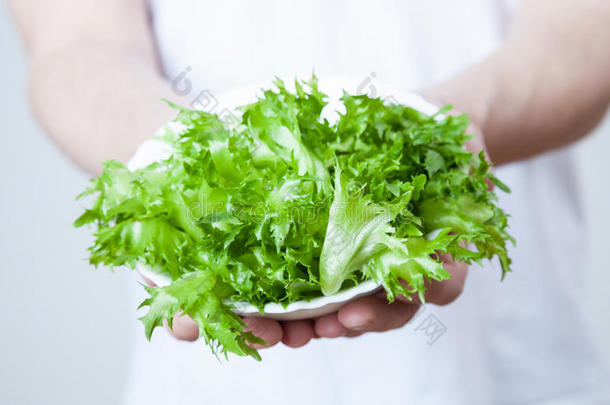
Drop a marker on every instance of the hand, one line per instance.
(367, 314)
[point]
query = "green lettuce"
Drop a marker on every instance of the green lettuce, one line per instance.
(287, 206)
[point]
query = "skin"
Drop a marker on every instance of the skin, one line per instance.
(546, 86)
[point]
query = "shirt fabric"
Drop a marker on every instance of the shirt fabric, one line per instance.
(520, 341)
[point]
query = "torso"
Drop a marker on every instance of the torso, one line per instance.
(513, 342)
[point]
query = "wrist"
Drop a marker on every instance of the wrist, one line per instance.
(472, 92)
(438, 96)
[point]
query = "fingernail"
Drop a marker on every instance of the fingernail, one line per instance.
(358, 327)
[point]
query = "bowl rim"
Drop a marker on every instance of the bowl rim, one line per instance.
(272, 308)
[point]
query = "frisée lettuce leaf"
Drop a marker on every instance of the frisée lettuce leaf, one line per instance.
(286, 206)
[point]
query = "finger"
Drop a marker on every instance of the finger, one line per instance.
(353, 333)
(375, 314)
(267, 329)
(183, 328)
(447, 291)
(328, 326)
(477, 143)
(297, 333)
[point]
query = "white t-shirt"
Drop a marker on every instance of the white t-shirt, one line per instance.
(521, 341)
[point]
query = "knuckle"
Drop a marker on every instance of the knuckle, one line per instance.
(256, 325)
(183, 328)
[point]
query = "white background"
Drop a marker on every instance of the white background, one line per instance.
(65, 327)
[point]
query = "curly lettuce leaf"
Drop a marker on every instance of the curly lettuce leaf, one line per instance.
(286, 206)
(199, 294)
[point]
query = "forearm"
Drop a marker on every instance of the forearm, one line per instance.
(94, 81)
(97, 102)
(547, 86)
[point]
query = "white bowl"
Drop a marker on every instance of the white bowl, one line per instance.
(154, 150)
(296, 310)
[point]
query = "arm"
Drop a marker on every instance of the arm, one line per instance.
(94, 80)
(96, 88)
(547, 86)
